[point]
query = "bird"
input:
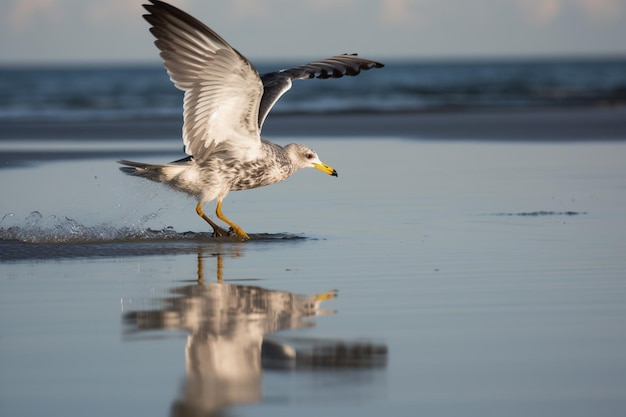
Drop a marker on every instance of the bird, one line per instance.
(225, 104)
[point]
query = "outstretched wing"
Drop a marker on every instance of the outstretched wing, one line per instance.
(222, 89)
(277, 83)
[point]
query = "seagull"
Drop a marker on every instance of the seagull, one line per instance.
(225, 104)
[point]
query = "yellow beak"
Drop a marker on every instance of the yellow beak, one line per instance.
(327, 169)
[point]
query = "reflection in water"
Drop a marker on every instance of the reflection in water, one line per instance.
(226, 348)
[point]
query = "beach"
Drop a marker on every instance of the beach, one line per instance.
(561, 124)
(462, 263)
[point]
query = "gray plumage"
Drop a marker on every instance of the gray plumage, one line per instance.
(277, 83)
(225, 104)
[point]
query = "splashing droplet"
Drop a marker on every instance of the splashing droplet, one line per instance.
(34, 218)
(8, 216)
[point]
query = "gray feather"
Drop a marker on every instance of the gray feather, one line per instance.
(277, 83)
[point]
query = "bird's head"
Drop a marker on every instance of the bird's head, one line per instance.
(304, 157)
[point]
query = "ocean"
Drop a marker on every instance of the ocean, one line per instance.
(145, 92)
(468, 259)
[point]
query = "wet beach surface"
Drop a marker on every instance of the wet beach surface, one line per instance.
(454, 276)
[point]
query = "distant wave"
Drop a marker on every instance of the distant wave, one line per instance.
(122, 93)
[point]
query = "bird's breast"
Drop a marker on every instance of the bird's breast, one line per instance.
(258, 174)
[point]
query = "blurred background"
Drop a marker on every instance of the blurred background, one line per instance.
(69, 60)
(75, 31)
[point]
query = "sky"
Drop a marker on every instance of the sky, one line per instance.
(112, 31)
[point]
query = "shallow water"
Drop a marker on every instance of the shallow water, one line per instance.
(430, 278)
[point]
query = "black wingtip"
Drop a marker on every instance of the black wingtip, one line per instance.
(370, 64)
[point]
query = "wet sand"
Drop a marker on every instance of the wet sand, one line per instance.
(438, 276)
(530, 125)
(553, 125)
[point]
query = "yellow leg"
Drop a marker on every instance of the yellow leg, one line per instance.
(238, 230)
(217, 231)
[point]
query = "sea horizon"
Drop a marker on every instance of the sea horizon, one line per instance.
(143, 91)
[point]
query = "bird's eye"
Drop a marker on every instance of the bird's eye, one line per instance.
(309, 156)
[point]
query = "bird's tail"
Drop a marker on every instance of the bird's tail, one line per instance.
(153, 172)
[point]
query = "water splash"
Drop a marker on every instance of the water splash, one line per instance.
(54, 230)
(37, 228)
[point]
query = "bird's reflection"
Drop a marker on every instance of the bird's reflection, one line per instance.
(226, 346)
